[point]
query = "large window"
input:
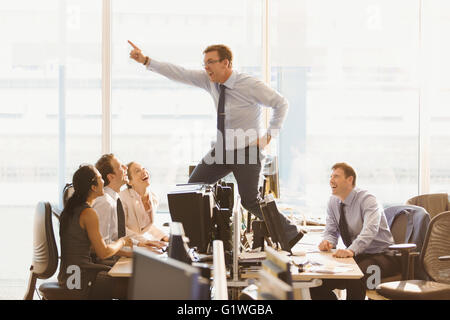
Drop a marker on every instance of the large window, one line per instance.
(352, 81)
(50, 115)
(166, 125)
(436, 50)
(368, 83)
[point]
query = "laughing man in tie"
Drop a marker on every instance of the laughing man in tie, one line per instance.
(238, 99)
(356, 216)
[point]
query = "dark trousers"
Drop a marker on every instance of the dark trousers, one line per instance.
(246, 170)
(356, 288)
(107, 287)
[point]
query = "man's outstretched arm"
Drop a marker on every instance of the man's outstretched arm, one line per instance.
(197, 78)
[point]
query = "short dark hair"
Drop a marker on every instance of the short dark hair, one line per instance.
(222, 50)
(348, 170)
(104, 166)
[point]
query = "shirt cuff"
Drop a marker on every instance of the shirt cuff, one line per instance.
(354, 248)
(153, 65)
(330, 240)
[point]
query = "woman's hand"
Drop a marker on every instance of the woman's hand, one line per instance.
(127, 242)
(154, 244)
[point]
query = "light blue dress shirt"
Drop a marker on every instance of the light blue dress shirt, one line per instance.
(367, 224)
(244, 97)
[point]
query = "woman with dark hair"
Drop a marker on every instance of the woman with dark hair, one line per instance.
(79, 231)
(140, 204)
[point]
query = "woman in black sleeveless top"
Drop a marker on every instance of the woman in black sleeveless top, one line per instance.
(79, 231)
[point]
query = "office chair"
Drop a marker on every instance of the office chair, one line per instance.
(67, 193)
(434, 203)
(408, 225)
(45, 261)
(436, 263)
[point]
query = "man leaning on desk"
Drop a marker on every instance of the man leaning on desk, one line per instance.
(356, 216)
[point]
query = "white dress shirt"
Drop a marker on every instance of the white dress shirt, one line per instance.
(106, 208)
(140, 222)
(367, 224)
(244, 96)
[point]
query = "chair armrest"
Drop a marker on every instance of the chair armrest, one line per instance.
(407, 254)
(444, 258)
(91, 270)
(95, 267)
(403, 247)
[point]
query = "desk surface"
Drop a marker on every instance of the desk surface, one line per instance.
(344, 268)
(122, 268)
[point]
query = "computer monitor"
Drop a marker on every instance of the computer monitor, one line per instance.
(275, 279)
(271, 184)
(272, 218)
(277, 264)
(272, 288)
(178, 244)
(156, 277)
(192, 205)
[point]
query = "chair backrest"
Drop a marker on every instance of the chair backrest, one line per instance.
(434, 203)
(45, 250)
(409, 224)
(398, 227)
(413, 228)
(67, 193)
(437, 244)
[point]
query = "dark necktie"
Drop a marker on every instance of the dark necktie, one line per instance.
(120, 219)
(343, 227)
(220, 141)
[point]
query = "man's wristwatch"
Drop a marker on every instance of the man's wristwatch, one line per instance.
(146, 60)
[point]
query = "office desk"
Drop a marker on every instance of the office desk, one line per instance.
(309, 244)
(327, 260)
(122, 268)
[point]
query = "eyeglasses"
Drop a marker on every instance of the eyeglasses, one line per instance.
(210, 62)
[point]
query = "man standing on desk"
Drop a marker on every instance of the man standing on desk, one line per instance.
(238, 98)
(356, 216)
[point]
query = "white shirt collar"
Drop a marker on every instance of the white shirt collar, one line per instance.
(112, 193)
(231, 80)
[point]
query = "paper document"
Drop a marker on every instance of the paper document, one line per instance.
(328, 269)
(252, 255)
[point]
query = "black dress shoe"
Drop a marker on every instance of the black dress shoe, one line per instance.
(296, 239)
